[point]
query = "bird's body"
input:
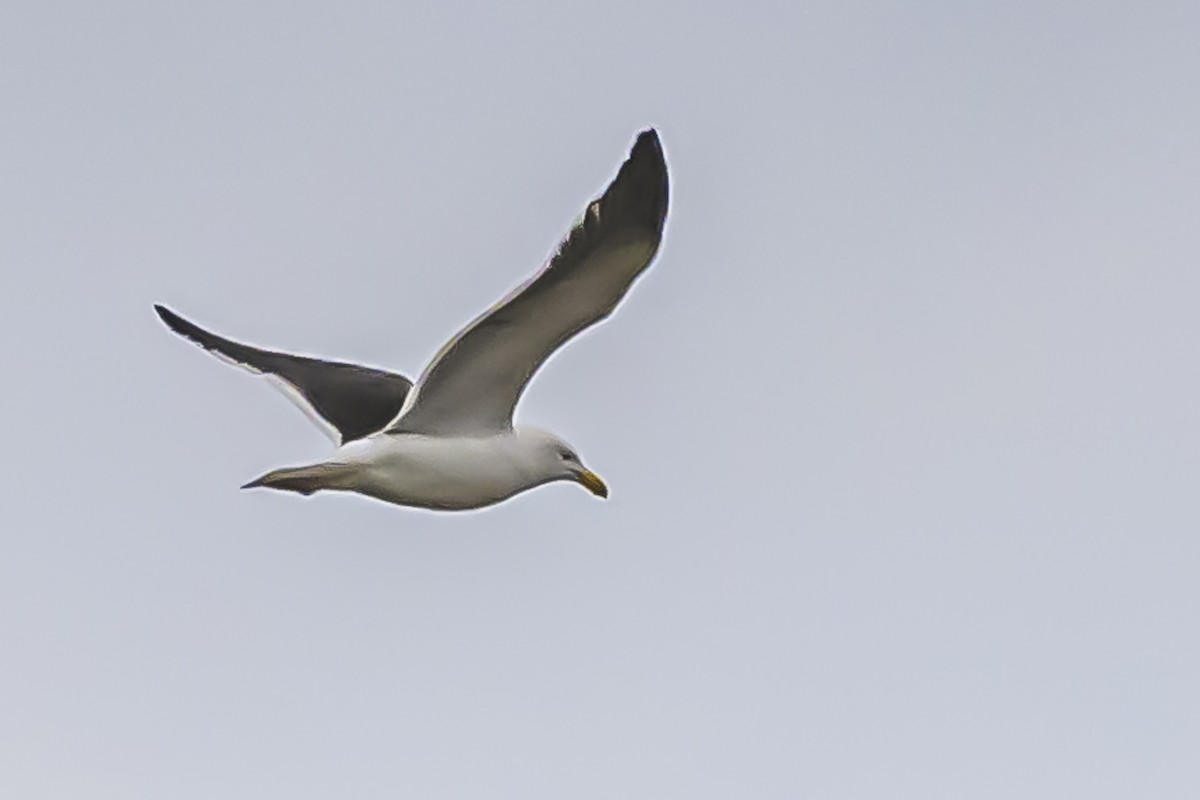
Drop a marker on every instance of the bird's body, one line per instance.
(446, 473)
(447, 441)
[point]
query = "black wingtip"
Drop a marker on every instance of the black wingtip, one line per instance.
(648, 137)
(170, 318)
(193, 332)
(642, 184)
(240, 353)
(646, 144)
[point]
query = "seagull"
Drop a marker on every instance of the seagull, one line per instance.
(447, 441)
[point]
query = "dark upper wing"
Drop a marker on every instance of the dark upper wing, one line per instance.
(356, 401)
(472, 385)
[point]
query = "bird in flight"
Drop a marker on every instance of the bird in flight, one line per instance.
(448, 442)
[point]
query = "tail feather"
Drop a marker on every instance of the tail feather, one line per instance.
(305, 480)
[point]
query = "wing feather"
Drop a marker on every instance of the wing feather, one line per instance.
(474, 382)
(345, 400)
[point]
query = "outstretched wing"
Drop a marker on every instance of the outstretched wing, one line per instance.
(473, 384)
(347, 401)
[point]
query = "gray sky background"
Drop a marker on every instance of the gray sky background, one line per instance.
(901, 429)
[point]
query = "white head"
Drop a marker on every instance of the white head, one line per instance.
(555, 460)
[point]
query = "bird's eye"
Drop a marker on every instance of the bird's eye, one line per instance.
(567, 455)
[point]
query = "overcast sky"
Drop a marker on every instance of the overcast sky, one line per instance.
(902, 428)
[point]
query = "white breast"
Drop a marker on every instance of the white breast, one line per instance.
(441, 472)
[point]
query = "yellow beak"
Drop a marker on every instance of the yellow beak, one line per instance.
(591, 481)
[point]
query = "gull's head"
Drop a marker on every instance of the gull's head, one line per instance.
(557, 461)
